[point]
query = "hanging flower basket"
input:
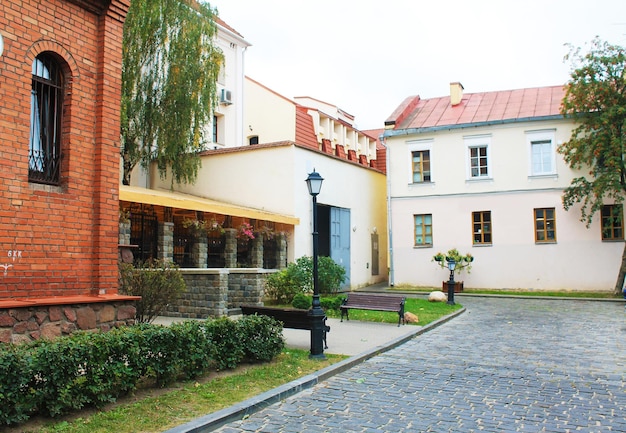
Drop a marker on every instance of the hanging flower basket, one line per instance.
(266, 232)
(245, 232)
(214, 227)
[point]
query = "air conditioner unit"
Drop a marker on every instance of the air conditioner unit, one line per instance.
(226, 97)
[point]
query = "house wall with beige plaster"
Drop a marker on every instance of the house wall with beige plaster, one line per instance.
(578, 260)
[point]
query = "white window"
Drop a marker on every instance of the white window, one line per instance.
(420, 157)
(478, 156)
(542, 152)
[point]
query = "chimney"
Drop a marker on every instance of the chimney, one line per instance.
(456, 93)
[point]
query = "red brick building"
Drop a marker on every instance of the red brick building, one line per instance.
(60, 86)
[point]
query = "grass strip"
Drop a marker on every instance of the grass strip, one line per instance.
(505, 292)
(159, 410)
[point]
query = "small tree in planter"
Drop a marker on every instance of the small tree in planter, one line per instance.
(461, 263)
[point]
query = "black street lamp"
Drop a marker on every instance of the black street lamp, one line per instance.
(316, 314)
(451, 266)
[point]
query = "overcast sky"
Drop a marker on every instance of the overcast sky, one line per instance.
(366, 56)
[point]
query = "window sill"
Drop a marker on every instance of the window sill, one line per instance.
(545, 243)
(417, 247)
(35, 186)
(553, 176)
(482, 245)
(421, 184)
(479, 179)
(612, 240)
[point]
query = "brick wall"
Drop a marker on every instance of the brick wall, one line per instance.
(61, 240)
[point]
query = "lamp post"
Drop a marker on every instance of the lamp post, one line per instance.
(316, 314)
(451, 266)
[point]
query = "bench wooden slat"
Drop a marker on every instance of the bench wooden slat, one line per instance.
(292, 318)
(363, 301)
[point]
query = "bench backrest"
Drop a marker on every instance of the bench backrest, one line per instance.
(361, 299)
(291, 318)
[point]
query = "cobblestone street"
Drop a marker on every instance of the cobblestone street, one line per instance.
(505, 365)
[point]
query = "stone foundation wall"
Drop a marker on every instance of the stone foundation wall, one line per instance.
(20, 325)
(206, 295)
(245, 286)
(211, 292)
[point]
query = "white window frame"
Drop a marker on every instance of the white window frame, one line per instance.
(420, 146)
(473, 142)
(536, 138)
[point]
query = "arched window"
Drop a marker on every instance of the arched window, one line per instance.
(44, 149)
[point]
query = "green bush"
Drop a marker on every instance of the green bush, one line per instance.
(227, 344)
(91, 369)
(16, 402)
(281, 287)
(263, 337)
(158, 282)
(302, 301)
(331, 303)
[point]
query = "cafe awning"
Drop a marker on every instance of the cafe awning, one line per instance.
(179, 200)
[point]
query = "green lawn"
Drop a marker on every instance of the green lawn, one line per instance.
(426, 312)
(504, 292)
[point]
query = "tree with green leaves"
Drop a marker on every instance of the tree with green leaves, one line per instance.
(596, 99)
(169, 74)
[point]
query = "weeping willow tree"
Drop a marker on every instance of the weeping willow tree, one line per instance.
(169, 73)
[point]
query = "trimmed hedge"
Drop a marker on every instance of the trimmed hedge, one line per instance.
(91, 369)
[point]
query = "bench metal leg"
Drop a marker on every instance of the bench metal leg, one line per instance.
(326, 331)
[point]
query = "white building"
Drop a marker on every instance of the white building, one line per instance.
(481, 173)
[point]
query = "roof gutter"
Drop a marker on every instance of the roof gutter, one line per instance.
(411, 131)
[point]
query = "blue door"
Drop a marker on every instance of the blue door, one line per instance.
(340, 239)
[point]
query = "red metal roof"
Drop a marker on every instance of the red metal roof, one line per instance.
(478, 108)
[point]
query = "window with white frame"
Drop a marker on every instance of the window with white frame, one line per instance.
(542, 152)
(478, 156)
(420, 154)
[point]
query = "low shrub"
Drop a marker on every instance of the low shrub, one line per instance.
(158, 282)
(331, 302)
(281, 287)
(302, 301)
(263, 337)
(91, 369)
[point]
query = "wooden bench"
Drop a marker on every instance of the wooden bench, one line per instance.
(366, 301)
(290, 317)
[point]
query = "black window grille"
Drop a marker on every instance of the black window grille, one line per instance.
(215, 250)
(244, 249)
(270, 253)
(144, 231)
(183, 242)
(44, 149)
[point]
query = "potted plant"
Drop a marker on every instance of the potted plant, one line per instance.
(461, 263)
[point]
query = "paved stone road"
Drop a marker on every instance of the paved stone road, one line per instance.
(506, 365)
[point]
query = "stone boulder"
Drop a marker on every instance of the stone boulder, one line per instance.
(437, 296)
(410, 317)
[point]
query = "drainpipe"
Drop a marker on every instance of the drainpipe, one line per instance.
(389, 230)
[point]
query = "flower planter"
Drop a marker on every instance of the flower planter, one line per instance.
(458, 286)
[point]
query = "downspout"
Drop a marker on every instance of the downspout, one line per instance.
(389, 225)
